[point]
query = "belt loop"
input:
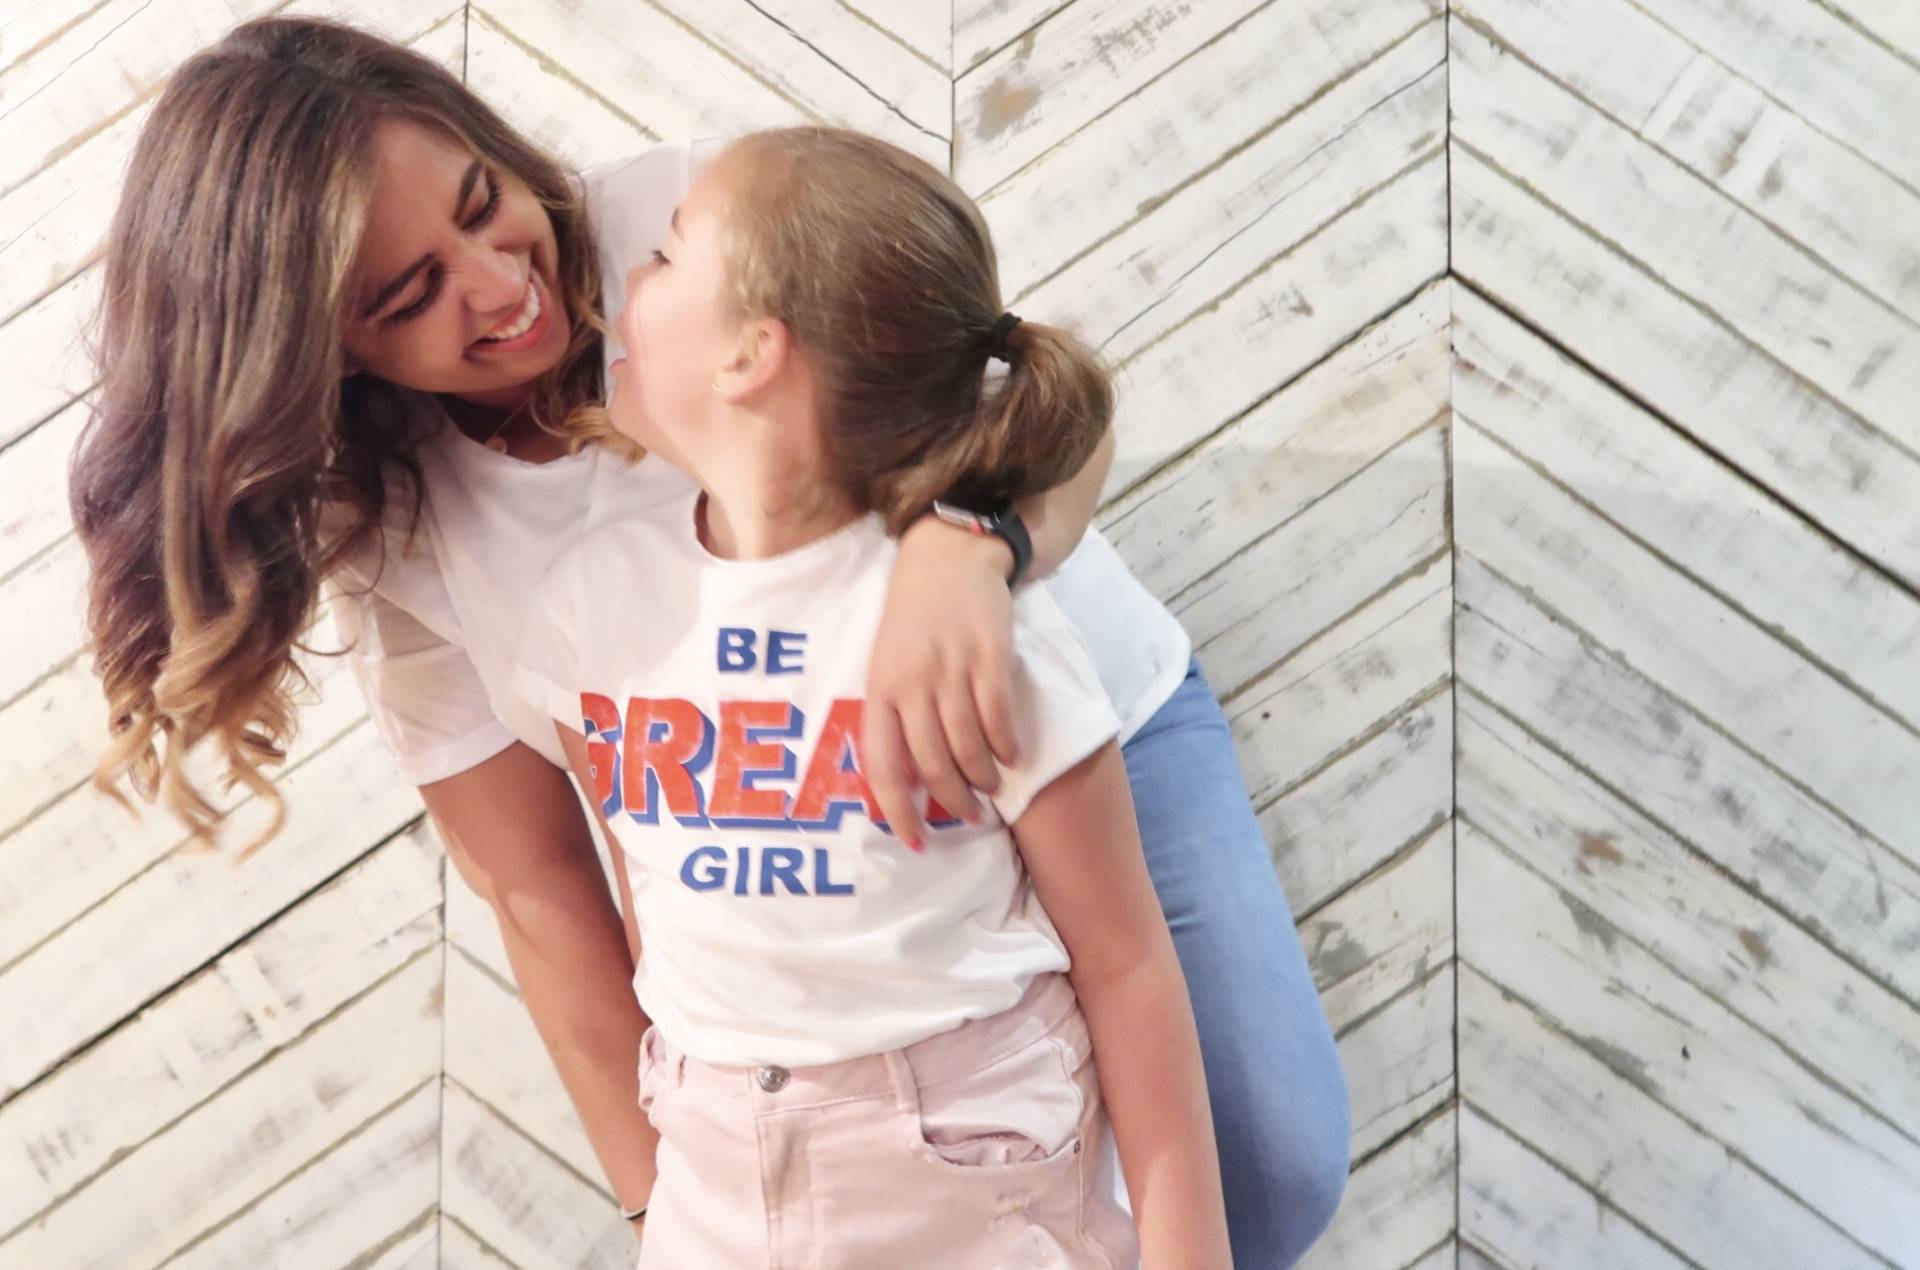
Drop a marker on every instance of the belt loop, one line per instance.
(906, 1090)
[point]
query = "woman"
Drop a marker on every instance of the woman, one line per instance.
(348, 309)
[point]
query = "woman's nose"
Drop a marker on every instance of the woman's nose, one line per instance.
(498, 280)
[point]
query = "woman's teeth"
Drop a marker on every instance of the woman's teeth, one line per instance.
(520, 323)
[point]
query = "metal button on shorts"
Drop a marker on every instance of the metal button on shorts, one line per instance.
(772, 1079)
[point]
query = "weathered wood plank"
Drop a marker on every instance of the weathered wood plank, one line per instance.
(1640, 881)
(1691, 780)
(1525, 1212)
(1685, 1050)
(1701, 516)
(67, 845)
(150, 932)
(1254, 330)
(419, 1249)
(1262, 605)
(1815, 730)
(1696, 241)
(370, 1200)
(1379, 956)
(575, 122)
(520, 1202)
(1725, 130)
(181, 1050)
(1784, 434)
(921, 29)
(494, 1052)
(982, 28)
(33, 491)
(1399, 1204)
(256, 1133)
(460, 1249)
(1689, 1191)
(1818, 66)
(669, 76)
(1148, 190)
(1083, 62)
(1372, 394)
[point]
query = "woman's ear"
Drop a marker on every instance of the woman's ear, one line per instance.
(761, 357)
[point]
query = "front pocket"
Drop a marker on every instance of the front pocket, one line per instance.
(1022, 1111)
(649, 1071)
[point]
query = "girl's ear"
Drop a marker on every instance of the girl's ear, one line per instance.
(761, 357)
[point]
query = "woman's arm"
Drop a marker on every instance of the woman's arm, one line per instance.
(938, 711)
(1081, 846)
(514, 830)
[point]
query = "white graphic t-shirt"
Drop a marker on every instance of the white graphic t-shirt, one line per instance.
(780, 920)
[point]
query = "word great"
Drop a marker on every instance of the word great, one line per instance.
(665, 754)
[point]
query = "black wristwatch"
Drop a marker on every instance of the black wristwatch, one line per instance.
(1003, 522)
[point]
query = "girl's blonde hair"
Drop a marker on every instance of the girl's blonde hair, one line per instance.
(884, 271)
(224, 427)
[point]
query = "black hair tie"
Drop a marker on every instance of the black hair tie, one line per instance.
(1001, 329)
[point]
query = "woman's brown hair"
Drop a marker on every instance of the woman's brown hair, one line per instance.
(884, 271)
(228, 465)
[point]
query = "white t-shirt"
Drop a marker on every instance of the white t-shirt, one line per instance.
(779, 923)
(434, 624)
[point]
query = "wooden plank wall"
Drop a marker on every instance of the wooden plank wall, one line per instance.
(1687, 458)
(1671, 547)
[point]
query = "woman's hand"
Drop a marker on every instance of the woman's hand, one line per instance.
(939, 689)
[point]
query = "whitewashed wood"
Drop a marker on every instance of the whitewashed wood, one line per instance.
(183, 1048)
(1369, 396)
(1526, 1212)
(1688, 1052)
(1543, 1087)
(1699, 515)
(1891, 22)
(1304, 300)
(1259, 607)
(256, 1133)
(805, 39)
(677, 83)
(983, 27)
(33, 491)
(372, 1199)
(521, 1202)
(1819, 67)
(1814, 730)
(1782, 433)
(420, 1248)
(80, 846)
(1689, 779)
(1726, 130)
(149, 932)
(460, 1249)
(924, 30)
(1214, 144)
(1640, 881)
(1399, 1204)
(1695, 240)
(45, 603)
(495, 1053)
(576, 124)
(1369, 671)
(1083, 61)
(1399, 1062)
(1366, 808)
(1380, 940)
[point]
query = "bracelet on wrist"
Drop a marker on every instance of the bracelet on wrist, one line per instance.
(633, 1214)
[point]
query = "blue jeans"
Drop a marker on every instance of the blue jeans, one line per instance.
(1273, 1075)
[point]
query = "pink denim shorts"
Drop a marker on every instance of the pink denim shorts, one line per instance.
(982, 1148)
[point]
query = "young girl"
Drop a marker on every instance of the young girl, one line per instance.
(865, 1051)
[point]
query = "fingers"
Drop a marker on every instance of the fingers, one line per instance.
(966, 737)
(934, 759)
(890, 772)
(992, 686)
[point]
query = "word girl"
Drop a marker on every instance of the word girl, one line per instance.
(864, 1052)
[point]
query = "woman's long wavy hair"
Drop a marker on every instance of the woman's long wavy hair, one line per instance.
(228, 465)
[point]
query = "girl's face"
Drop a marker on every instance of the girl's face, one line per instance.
(456, 285)
(679, 334)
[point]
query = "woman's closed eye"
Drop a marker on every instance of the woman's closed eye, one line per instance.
(434, 272)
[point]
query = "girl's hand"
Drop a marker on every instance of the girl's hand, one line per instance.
(939, 690)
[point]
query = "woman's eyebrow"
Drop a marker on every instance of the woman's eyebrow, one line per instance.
(399, 281)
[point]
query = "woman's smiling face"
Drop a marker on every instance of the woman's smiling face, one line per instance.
(457, 282)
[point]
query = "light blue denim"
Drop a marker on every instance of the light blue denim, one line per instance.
(1273, 1075)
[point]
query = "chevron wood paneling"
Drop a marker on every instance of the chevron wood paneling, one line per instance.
(1685, 463)
(1661, 260)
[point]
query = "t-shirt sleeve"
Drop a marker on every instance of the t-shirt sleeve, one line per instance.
(1061, 713)
(424, 693)
(546, 665)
